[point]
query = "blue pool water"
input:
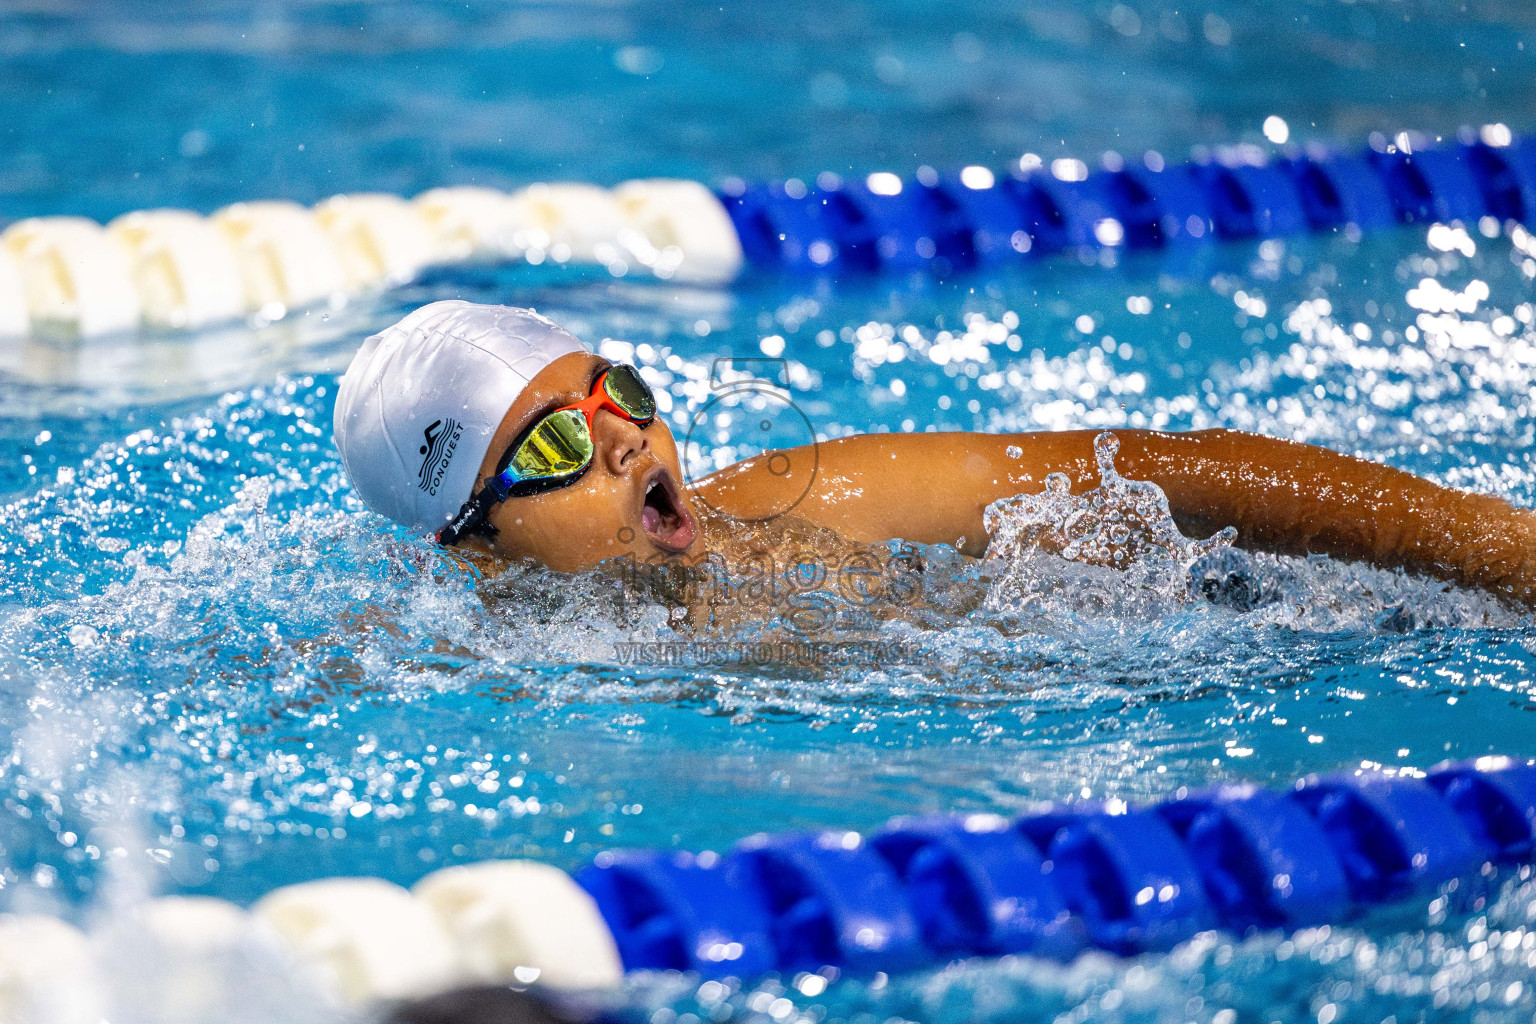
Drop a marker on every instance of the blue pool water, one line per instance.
(219, 674)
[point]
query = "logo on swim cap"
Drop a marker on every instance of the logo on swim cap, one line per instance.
(442, 437)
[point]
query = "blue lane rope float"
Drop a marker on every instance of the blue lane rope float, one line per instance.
(924, 890)
(979, 218)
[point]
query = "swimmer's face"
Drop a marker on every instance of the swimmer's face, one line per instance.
(630, 501)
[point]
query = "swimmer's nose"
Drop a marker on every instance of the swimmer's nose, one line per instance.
(618, 440)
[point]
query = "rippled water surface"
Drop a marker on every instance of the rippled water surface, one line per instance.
(219, 673)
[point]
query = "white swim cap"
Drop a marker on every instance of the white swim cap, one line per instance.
(417, 408)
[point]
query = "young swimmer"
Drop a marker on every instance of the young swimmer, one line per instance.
(494, 429)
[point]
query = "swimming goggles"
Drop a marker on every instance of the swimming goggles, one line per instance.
(557, 449)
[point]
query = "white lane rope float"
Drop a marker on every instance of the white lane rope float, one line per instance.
(178, 270)
(355, 942)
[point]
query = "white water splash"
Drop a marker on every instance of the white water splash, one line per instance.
(1125, 552)
(1115, 550)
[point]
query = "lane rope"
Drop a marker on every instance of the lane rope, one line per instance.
(170, 270)
(162, 270)
(980, 218)
(917, 893)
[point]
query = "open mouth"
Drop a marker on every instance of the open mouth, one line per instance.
(664, 515)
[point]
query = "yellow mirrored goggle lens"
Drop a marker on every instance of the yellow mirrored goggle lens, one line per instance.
(629, 392)
(559, 445)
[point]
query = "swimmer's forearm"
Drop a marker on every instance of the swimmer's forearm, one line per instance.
(1295, 498)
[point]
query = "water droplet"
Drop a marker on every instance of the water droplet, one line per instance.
(1105, 447)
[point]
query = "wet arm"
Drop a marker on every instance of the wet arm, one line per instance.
(1280, 495)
